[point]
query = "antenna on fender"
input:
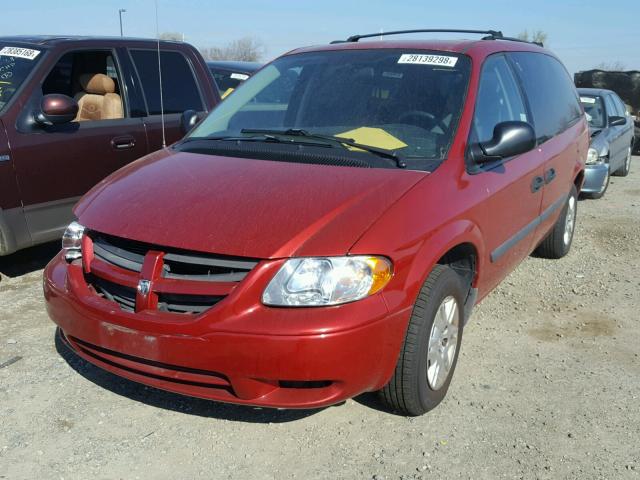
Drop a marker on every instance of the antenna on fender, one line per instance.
(164, 139)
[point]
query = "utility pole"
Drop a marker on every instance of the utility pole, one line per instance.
(120, 12)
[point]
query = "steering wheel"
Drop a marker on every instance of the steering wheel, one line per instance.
(424, 119)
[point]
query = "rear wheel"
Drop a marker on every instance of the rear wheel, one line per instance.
(624, 170)
(430, 350)
(558, 242)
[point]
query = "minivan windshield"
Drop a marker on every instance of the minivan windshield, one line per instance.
(402, 104)
(15, 65)
(594, 110)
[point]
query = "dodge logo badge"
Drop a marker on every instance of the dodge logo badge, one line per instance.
(144, 287)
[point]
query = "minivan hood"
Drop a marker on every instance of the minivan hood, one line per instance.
(242, 207)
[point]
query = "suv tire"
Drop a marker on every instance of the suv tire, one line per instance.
(558, 242)
(430, 349)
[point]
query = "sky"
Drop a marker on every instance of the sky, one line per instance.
(582, 33)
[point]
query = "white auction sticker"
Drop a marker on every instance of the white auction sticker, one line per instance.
(421, 59)
(587, 100)
(18, 52)
(239, 76)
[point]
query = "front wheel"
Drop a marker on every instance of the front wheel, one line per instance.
(623, 171)
(430, 350)
(558, 242)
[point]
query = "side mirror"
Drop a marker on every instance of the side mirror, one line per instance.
(56, 108)
(188, 120)
(509, 139)
(617, 121)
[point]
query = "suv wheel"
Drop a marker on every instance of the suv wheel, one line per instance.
(430, 350)
(558, 242)
(624, 170)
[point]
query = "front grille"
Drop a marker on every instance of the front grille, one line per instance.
(188, 282)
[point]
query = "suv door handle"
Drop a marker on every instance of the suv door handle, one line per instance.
(124, 142)
(537, 184)
(549, 175)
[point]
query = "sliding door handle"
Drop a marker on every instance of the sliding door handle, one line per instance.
(549, 175)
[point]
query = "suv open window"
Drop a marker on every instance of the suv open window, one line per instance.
(499, 99)
(91, 78)
(179, 87)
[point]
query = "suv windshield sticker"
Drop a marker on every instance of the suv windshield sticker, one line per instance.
(440, 60)
(239, 76)
(18, 52)
(587, 100)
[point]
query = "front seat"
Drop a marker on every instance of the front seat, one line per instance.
(98, 100)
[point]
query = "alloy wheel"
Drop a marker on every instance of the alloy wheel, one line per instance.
(443, 342)
(570, 220)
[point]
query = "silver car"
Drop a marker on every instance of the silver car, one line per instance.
(612, 136)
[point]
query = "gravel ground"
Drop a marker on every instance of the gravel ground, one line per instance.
(547, 386)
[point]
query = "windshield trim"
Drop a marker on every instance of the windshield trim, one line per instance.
(37, 62)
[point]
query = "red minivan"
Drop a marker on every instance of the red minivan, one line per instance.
(327, 229)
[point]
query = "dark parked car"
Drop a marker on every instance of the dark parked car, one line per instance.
(334, 240)
(228, 75)
(75, 109)
(612, 137)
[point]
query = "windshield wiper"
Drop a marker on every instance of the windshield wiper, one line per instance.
(263, 137)
(298, 132)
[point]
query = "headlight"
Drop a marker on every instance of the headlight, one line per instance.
(317, 281)
(72, 241)
(592, 156)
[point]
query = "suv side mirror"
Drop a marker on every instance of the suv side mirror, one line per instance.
(188, 120)
(56, 108)
(617, 121)
(509, 139)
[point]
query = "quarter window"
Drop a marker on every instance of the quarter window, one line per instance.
(550, 91)
(499, 98)
(179, 87)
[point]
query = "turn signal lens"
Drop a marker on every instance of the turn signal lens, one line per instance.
(319, 281)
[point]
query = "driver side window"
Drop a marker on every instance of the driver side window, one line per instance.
(91, 78)
(499, 98)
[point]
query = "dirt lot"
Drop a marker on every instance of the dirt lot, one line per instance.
(548, 386)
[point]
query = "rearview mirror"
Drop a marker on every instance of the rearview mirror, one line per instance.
(509, 139)
(617, 121)
(188, 120)
(56, 108)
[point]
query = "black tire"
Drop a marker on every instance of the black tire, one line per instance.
(600, 194)
(623, 171)
(555, 245)
(409, 391)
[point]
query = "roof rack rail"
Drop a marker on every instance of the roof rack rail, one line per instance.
(489, 34)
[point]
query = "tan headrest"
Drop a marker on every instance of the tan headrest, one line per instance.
(97, 83)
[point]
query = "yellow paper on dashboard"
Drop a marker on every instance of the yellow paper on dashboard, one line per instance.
(373, 137)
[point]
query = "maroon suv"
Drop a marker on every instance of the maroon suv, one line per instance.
(73, 110)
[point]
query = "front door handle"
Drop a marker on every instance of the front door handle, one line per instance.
(537, 184)
(124, 142)
(549, 175)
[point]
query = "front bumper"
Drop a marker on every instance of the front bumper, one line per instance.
(205, 356)
(595, 177)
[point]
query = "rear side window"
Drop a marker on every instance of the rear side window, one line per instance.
(179, 87)
(550, 91)
(499, 98)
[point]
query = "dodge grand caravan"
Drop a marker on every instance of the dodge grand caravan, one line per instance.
(327, 229)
